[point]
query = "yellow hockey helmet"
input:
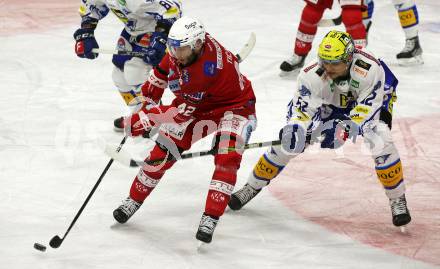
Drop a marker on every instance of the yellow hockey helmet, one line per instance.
(337, 46)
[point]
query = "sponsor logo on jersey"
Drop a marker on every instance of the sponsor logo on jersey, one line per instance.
(356, 118)
(362, 64)
(185, 76)
(209, 68)
(360, 71)
(362, 109)
(218, 51)
(308, 68)
(174, 85)
(121, 44)
(303, 91)
(354, 83)
(194, 97)
(320, 71)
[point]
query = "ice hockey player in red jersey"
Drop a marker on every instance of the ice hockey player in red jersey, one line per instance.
(311, 15)
(211, 97)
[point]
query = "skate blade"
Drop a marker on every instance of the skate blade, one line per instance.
(118, 130)
(403, 229)
(201, 247)
(417, 60)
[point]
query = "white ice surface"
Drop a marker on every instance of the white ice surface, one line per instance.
(56, 110)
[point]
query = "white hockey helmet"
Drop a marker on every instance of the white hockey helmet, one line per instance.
(185, 32)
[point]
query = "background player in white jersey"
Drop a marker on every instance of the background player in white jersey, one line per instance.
(409, 20)
(146, 26)
(345, 93)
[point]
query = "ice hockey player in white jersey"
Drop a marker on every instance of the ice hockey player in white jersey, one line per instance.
(347, 92)
(146, 26)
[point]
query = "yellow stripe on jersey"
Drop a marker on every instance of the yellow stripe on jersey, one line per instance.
(390, 176)
(407, 17)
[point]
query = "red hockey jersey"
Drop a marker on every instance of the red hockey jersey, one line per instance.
(210, 86)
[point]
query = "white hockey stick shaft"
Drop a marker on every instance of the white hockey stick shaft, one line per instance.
(247, 48)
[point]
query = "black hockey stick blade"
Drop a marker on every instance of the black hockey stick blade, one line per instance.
(55, 242)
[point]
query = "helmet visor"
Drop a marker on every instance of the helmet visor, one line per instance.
(330, 61)
(176, 50)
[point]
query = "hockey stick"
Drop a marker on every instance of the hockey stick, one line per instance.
(244, 52)
(124, 157)
(56, 241)
(247, 48)
(330, 22)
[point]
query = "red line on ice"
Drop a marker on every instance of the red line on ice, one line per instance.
(25, 16)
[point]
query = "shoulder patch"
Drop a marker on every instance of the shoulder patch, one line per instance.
(320, 71)
(209, 68)
(354, 83)
(362, 64)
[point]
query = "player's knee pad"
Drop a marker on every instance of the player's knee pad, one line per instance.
(408, 16)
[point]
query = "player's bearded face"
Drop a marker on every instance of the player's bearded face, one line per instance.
(184, 55)
(335, 70)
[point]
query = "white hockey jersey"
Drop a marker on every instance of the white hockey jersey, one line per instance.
(363, 89)
(139, 16)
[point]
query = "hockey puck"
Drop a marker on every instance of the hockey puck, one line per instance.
(40, 247)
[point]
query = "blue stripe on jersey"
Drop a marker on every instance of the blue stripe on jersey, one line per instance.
(387, 166)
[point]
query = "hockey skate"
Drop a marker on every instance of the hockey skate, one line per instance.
(206, 228)
(118, 125)
(242, 197)
(294, 63)
(411, 53)
(126, 210)
(400, 212)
